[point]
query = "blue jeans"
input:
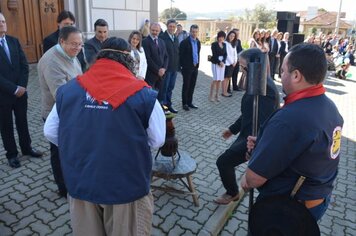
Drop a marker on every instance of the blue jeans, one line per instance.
(319, 210)
(167, 88)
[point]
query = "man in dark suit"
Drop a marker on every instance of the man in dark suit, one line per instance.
(273, 53)
(65, 18)
(235, 155)
(189, 51)
(172, 46)
(157, 58)
(13, 97)
(237, 66)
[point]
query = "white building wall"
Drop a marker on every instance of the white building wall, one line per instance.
(120, 14)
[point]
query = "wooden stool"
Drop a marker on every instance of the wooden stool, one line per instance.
(182, 167)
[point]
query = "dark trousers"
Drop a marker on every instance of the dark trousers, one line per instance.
(57, 169)
(280, 65)
(272, 64)
(167, 87)
(226, 163)
(189, 81)
(19, 108)
(234, 77)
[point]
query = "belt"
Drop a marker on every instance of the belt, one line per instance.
(312, 203)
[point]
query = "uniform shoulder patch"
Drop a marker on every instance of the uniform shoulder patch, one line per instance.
(336, 145)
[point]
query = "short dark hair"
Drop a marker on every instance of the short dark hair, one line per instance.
(100, 22)
(310, 60)
(64, 15)
(66, 31)
(170, 21)
(194, 26)
(221, 34)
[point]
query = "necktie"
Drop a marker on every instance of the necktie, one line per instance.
(6, 49)
(156, 42)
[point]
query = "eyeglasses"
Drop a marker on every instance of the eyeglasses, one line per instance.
(74, 45)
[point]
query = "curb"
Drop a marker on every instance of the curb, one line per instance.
(217, 221)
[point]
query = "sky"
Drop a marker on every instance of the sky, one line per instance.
(348, 6)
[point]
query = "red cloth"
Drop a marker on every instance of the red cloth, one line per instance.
(109, 81)
(312, 91)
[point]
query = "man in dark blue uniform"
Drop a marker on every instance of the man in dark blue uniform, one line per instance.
(301, 139)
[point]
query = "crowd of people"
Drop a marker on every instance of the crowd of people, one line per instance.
(108, 95)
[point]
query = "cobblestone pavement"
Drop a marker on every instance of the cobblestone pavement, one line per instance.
(29, 204)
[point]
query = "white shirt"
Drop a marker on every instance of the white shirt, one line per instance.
(143, 62)
(156, 130)
(231, 54)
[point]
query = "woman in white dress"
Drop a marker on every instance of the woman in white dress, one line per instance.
(138, 54)
(218, 60)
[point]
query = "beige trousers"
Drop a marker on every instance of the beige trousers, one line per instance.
(129, 219)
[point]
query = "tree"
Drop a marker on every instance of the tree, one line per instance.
(263, 17)
(173, 13)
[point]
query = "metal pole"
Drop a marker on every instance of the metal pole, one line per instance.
(254, 133)
(338, 19)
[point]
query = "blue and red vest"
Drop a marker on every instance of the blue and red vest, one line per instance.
(104, 153)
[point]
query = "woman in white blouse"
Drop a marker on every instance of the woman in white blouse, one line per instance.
(138, 54)
(231, 61)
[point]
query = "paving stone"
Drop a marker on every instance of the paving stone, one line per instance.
(40, 228)
(169, 222)
(23, 223)
(8, 218)
(5, 231)
(190, 225)
(25, 231)
(176, 231)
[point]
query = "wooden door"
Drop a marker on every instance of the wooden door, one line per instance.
(31, 21)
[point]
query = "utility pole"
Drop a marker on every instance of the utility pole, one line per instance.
(172, 1)
(338, 19)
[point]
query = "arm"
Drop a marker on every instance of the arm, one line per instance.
(7, 86)
(23, 66)
(225, 53)
(54, 78)
(252, 180)
(143, 64)
(236, 127)
(156, 130)
(51, 125)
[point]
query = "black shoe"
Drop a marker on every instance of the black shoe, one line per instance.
(171, 109)
(193, 106)
(186, 107)
(33, 153)
(14, 162)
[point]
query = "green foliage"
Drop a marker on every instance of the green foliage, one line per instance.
(263, 17)
(244, 45)
(173, 13)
